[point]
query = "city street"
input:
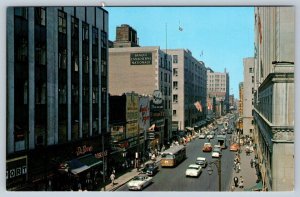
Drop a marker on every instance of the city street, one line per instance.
(173, 179)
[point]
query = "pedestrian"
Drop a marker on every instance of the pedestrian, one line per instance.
(236, 181)
(251, 163)
(241, 184)
(112, 178)
(232, 188)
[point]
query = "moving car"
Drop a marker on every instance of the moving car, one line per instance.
(150, 169)
(139, 182)
(193, 170)
(207, 147)
(201, 161)
(216, 152)
(234, 147)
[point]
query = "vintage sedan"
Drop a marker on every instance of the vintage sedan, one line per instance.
(207, 147)
(216, 152)
(139, 182)
(202, 136)
(150, 169)
(234, 147)
(193, 170)
(201, 161)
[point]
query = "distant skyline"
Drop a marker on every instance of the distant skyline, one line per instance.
(219, 36)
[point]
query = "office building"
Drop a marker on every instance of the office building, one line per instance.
(188, 91)
(57, 100)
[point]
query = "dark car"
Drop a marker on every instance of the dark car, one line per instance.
(150, 169)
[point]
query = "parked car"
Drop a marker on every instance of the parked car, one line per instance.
(193, 170)
(201, 161)
(139, 182)
(202, 136)
(234, 147)
(207, 147)
(150, 169)
(210, 136)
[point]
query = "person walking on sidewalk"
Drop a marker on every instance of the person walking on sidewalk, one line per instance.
(236, 181)
(241, 184)
(112, 178)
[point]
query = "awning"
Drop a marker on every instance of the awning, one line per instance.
(257, 187)
(81, 164)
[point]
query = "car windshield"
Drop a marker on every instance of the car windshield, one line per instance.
(193, 167)
(138, 178)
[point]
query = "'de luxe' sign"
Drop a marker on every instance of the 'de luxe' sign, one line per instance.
(140, 58)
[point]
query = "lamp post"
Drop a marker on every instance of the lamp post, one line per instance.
(218, 165)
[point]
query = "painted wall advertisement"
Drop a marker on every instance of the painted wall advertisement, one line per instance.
(144, 113)
(140, 58)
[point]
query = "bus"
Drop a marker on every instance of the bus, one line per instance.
(173, 156)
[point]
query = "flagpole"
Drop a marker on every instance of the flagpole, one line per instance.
(166, 38)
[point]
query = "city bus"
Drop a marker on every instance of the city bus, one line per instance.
(173, 156)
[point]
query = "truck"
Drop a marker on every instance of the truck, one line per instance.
(222, 141)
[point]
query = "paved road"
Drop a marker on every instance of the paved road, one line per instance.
(173, 179)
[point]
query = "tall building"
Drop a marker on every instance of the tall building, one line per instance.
(274, 96)
(144, 70)
(57, 101)
(218, 88)
(189, 90)
(248, 95)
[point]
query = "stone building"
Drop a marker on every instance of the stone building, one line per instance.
(248, 91)
(274, 94)
(143, 70)
(188, 91)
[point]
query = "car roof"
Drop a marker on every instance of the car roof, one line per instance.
(201, 158)
(194, 165)
(207, 143)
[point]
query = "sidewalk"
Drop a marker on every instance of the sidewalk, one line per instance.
(248, 173)
(123, 179)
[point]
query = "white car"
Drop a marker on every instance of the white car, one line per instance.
(210, 136)
(193, 170)
(139, 182)
(217, 152)
(201, 136)
(201, 161)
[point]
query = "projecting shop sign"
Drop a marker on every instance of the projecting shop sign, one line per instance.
(140, 58)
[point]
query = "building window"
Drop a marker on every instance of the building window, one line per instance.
(22, 12)
(175, 71)
(175, 85)
(166, 77)
(252, 79)
(166, 91)
(250, 70)
(174, 112)
(103, 39)
(40, 16)
(95, 36)
(62, 22)
(62, 59)
(175, 59)
(85, 31)
(175, 98)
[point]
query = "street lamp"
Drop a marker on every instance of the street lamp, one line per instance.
(218, 165)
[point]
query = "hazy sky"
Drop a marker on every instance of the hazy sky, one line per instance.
(224, 35)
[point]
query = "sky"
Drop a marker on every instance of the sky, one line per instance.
(219, 36)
